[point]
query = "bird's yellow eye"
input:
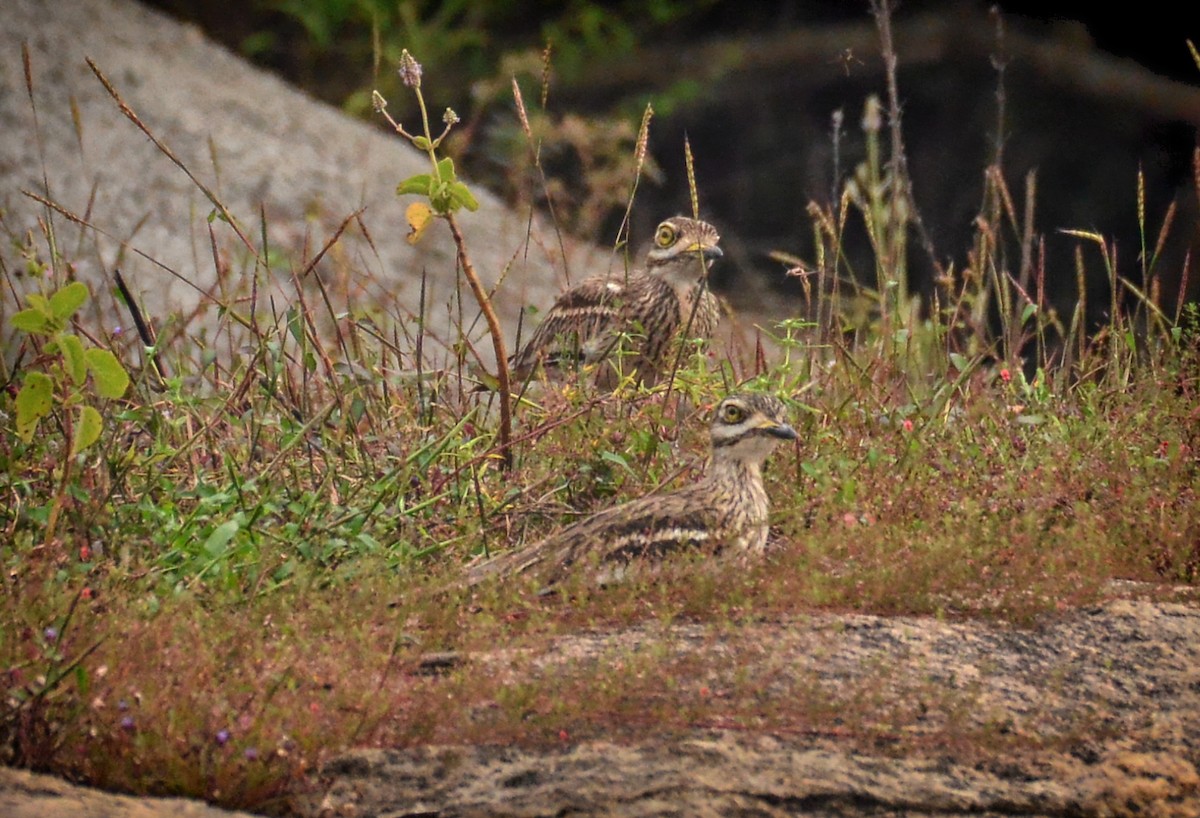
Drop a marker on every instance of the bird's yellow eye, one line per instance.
(666, 235)
(732, 413)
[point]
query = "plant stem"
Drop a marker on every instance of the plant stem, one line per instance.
(489, 315)
(61, 492)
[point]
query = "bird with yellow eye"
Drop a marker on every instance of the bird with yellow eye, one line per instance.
(726, 509)
(654, 305)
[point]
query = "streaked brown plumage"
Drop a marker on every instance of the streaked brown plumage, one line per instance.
(654, 303)
(727, 508)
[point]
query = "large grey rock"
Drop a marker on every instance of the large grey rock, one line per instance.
(257, 143)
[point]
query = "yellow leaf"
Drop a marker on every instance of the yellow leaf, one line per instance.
(418, 215)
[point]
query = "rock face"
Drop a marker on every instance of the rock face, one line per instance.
(1094, 714)
(28, 795)
(1106, 700)
(263, 148)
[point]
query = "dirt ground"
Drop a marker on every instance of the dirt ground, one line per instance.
(1127, 671)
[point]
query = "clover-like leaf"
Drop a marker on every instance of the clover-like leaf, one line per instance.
(418, 185)
(111, 378)
(461, 196)
(33, 403)
(445, 170)
(72, 352)
(32, 321)
(40, 303)
(67, 300)
(87, 429)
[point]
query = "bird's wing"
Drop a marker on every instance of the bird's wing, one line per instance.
(578, 319)
(648, 528)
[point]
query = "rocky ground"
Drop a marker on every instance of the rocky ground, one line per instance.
(1096, 713)
(1115, 690)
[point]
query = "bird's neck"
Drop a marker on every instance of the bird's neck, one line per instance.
(744, 514)
(743, 473)
(683, 274)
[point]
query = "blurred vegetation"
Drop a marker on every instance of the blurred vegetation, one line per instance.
(461, 43)
(473, 53)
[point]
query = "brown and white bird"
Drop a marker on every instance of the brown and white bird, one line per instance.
(726, 508)
(654, 304)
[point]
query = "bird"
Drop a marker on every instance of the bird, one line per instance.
(654, 304)
(725, 509)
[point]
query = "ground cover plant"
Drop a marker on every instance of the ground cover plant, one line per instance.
(251, 566)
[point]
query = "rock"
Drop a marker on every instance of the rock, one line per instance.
(1095, 714)
(29, 795)
(259, 145)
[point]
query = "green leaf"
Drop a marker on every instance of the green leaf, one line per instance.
(33, 403)
(83, 681)
(1027, 313)
(66, 301)
(87, 429)
(613, 457)
(418, 185)
(41, 304)
(30, 321)
(72, 352)
(421, 143)
(461, 196)
(959, 360)
(111, 378)
(445, 170)
(214, 546)
(295, 325)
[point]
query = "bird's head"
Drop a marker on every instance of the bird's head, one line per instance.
(679, 241)
(748, 426)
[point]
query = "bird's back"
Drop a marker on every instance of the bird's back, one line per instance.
(649, 527)
(651, 305)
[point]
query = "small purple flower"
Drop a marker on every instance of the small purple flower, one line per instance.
(51, 634)
(222, 737)
(410, 70)
(117, 330)
(251, 753)
(128, 723)
(122, 705)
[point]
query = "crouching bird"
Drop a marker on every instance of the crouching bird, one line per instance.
(726, 508)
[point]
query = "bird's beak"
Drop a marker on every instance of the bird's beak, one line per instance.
(779, 430)
(709, 251)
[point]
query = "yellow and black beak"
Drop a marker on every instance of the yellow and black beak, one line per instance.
(709, 251)
(776, 429)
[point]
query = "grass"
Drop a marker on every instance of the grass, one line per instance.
(250, 563)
